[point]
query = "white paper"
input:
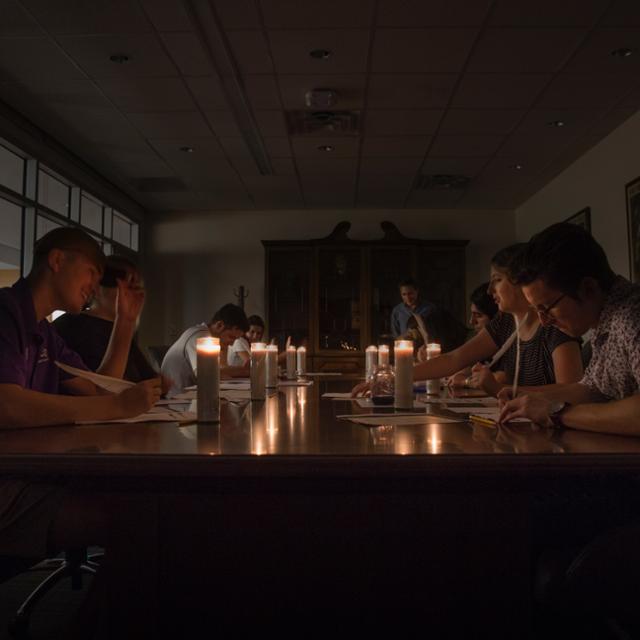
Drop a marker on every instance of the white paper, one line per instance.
(338, 396)
(485, 401)
(418, 418)
(229, 385)
(151, 416)
(115, 385)
(367, 403)
(168, 401)
(295, 383)
(236, 394)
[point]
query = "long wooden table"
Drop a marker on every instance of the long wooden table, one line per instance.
(284, 514)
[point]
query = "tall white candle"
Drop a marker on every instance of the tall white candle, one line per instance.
(258, 370)
(371, 359)
(433, 351)
(383, 355)
(291, 362)
(208, 363)
(403, 354)
(272, 366)
(301, 362)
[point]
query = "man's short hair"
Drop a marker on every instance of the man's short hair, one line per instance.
(232, 316)
(562, 255)
(483, 301)
(67, 239)
(255, 321)
(408, 282)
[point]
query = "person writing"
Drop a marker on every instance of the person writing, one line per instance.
(567, 279)
(547, 355)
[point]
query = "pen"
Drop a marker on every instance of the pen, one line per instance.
(487, 422)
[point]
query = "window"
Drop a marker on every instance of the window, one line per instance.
(11, 170)
(10, 224)
(121, 229)
(91, 213)
(44, 225)
(53, 193)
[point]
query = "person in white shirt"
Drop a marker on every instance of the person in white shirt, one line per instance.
(239, 353)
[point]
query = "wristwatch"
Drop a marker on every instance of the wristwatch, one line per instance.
(555, 414)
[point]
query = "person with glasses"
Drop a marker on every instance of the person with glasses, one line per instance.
(546, 354)
(566, 277)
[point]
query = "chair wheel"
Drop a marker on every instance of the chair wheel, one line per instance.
(19, 627)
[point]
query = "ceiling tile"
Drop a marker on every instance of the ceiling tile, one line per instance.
(167, 15)
(421, 50)
(384, 166)
(146, 56)
(188, 53)
(413, 91)
(278, 147)
(321, 166)
(238, 14)
(392, 122)
(381, 198)
(172, 124)
(469, 145)
(283, 167)
(623, 13)
(386, 181)
(349, 88)
(502, 174)
(499, 91)
(271, 183)
(291, 49)
(453, 166)
(526, 146)
(546, 13)
(576, 121)
(223, 123)
(329, 197)
(287, 14)
(578, 90)
(251, 51)
(283, 199)
(97, 16)
(440, 13)
(16, 21)
(147, 94)
(524, 50)
(429, 199)
(50, 93)
(498, 121)
(492, 200)
(206, 149)
(271, 123)
(136, 162)
(388, 146)
(612, 120)
(238, 153)
(595, 54)
(343, 147)
(208, 92)
(262, 92)
(632, 99)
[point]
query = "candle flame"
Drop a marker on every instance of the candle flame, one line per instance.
(208, 344)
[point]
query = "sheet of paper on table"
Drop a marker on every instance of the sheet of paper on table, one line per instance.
(232, 384)
(295, 383)
(490, 413)
(151, 416)
(236, 394)
(367, 403)
(115, 385)
(486, 401)
(323, 373)
(403, 419)
(338, 396)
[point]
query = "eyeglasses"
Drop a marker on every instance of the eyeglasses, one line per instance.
(544, 313)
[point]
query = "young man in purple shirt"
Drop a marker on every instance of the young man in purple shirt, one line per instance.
(567, 279)
(36, 518)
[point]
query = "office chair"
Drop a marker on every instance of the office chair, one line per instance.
(74, 563)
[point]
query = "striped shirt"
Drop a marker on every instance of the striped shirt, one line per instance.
(536, 354)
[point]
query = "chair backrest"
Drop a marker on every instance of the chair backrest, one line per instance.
(157, 354)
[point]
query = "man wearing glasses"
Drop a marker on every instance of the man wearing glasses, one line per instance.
(566, 277)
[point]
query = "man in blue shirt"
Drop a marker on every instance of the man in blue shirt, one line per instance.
(410, 304)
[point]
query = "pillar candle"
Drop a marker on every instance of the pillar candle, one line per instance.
(383, 355)
(433, 351)
(208, 364)
(403, 354)
(371, 359)
(272, 366)
(258, 370)
(291, 362)
(301, 363)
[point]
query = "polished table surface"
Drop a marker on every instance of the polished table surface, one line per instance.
(294, 425)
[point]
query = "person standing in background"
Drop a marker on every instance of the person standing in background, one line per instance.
(411, 303)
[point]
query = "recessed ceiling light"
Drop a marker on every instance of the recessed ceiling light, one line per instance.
(556, 123)
(622, 52)
(517, 166)
(186, 149)
(119, 58)
(326, 147)
(321, 54)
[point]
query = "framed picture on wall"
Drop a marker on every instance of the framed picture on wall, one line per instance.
(582, 218)
(633, 226)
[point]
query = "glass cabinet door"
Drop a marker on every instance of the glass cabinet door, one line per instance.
(339, 272)
(289, 275)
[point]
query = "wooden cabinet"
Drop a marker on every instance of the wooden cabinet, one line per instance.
(337, 293)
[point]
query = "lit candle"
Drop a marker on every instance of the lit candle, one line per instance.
(403, 354)
(291, 362)
(371, 359)
(272, 366)
(258, 370)
(208, 372)
(301, 362)
(383, 355)
(433, 351)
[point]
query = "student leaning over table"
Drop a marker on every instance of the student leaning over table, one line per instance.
(547, 355)
(36, 519)
(566, 277)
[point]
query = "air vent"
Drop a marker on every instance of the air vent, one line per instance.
(302, 123)
(159, 185)
(442, 182)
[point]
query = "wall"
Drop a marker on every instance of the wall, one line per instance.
(597, 180)
(193, 262)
